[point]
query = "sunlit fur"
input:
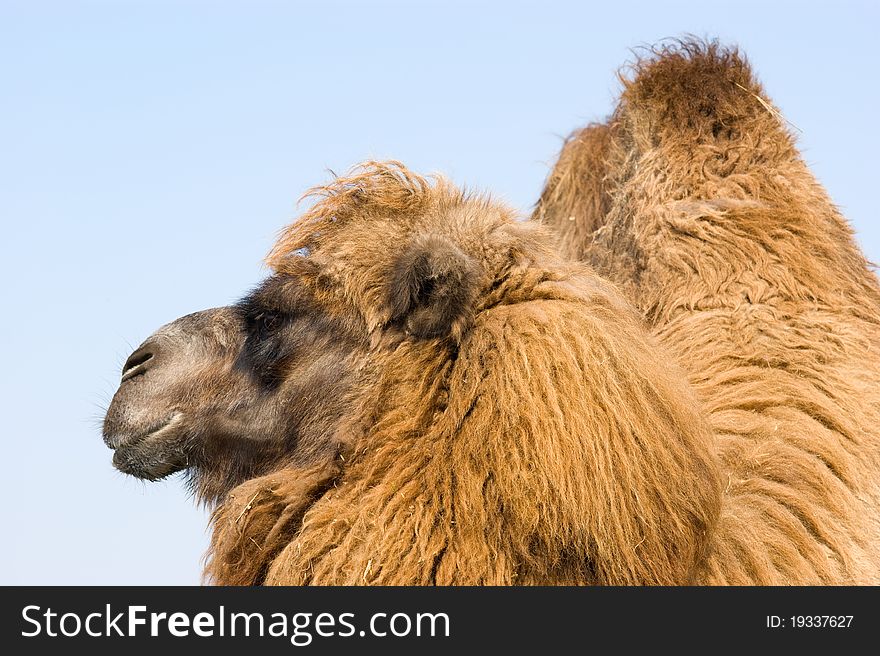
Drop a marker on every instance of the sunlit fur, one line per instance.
(544, 439)
(694, 200)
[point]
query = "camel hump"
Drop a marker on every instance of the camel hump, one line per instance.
(698, 92)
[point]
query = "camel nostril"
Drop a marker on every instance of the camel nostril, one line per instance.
(137, 362)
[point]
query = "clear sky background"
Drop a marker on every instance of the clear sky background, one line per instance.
(150, 152)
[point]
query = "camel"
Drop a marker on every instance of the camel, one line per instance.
(694, 201)
(466, 407)
(429, 391)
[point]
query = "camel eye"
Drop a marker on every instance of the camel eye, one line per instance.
(266, 322)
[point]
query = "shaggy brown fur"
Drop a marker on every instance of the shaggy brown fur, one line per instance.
(512, 421)
(694, 200)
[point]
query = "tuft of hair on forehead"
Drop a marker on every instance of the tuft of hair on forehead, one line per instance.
(370, 191)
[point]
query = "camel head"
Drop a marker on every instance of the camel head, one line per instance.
(232, 393)
(227, 393)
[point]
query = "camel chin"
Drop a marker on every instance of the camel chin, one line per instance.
(153, 454)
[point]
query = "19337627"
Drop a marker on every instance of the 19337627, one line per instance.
(810, 621)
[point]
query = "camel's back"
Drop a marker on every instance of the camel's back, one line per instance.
(695, 201)
(778, 329)
(752, 278)
(793, 397)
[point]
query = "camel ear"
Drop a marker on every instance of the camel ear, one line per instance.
(432, 290)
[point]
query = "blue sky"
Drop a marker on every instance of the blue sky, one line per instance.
(150, 152)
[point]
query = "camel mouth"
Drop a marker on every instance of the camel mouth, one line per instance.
(154, 454)
(117, 438)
